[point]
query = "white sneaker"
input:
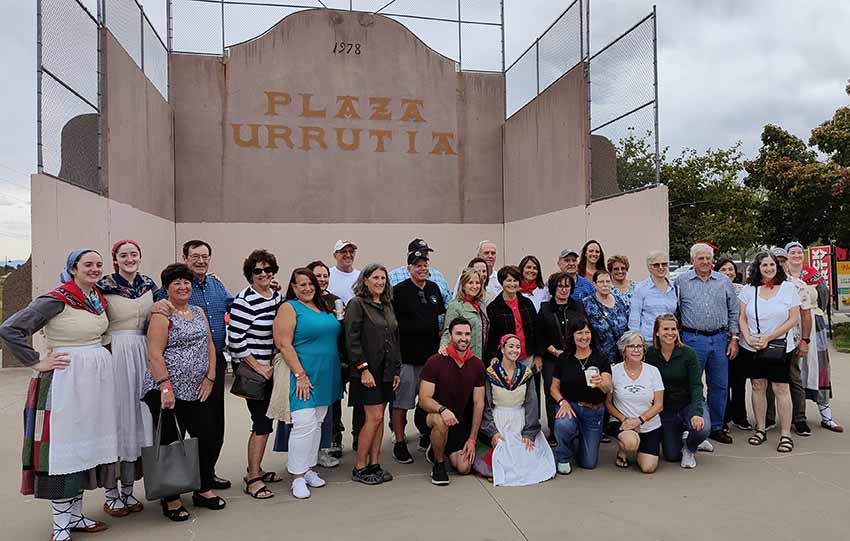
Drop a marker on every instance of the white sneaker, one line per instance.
(706, 447)
(325, 460)
(312, 478)
(299, 488)
(564, 468)
(689, 460)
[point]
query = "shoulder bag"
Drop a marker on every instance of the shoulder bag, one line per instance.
(248, 383)
(170, 469)
(775, 350)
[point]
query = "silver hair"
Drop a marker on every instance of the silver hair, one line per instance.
(361, 289)
(481, 244)
(653, 255)
(626, 338)
(701, 247)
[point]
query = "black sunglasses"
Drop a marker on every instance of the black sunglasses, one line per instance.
(267, 270)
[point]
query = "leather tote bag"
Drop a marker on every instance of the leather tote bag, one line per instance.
(170, 469)
(248, 383)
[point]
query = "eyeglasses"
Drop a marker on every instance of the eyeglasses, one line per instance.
(267, 270)
(634, 346)
(196, 257)
(564, 286)
(659, 265)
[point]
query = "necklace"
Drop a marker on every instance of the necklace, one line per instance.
(633, 374)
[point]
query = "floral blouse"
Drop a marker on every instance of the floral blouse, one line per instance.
(607, 324)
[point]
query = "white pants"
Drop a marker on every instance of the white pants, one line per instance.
(304, 439)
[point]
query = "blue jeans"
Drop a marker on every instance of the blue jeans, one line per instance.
(711, 352)
(579, 436)
(673, 425)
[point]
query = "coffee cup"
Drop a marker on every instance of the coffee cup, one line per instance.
(589, 372)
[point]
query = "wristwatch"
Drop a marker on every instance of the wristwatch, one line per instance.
(442, 409)
(806, 340)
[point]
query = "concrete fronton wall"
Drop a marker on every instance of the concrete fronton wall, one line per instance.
(67, 217)
(138, 126)
(545, 157)
(285, 130)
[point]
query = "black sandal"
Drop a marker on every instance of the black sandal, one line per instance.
(621, 462)
(270, 477)
(262, 493)
(758, 437)
(214, 503)
(181, 514)
(786, 445)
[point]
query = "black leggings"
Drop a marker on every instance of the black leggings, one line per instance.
(193, 418)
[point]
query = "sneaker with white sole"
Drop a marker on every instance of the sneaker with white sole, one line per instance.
(314, 480)
(689, 459)
(299, 488)
(564, 468)
(705, 447)
(325, 459)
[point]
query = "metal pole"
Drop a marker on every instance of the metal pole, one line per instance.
(101, 20)
(581, 29)
(537, 63)
(142, 33)
(504, 72)
(587, 76)
(655, 83)
(169, 28)
(38, 57)
(459, 38)
(222, 27)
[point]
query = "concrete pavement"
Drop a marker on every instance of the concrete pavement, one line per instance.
(738, 492)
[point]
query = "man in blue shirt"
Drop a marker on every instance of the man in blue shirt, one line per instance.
(708, 310)
(400, 274)
(568, 263)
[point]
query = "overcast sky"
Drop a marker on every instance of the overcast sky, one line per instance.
(726, 68)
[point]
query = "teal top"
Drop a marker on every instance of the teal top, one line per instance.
(315, 342)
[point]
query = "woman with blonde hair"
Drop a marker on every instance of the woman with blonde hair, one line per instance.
(469, 304)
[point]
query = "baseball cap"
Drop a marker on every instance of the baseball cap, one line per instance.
(779, 252)
(794, 244)
(419, 244)
(568, 252)
(416, 255)
(340, 244)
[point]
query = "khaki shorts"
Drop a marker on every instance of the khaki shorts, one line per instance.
(408, 388)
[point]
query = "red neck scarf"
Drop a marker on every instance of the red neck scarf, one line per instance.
(466, 298)
(458, 358)
(527, 287)
(768, 283)
(71, 294)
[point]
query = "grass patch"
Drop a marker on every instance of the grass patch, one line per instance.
(841, 337)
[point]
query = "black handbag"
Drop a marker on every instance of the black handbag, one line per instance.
(775, 350)
(170, 469)
(248, 383)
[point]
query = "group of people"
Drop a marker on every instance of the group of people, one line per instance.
(608, 357)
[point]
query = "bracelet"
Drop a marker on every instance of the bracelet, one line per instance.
(642, 420)
(165, 391)
(473, 440)
(561, 401)
(211, 380)
(441, 409)
(362, 366)
(301, 374)
(160, 382)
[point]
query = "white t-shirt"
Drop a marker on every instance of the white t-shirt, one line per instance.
(538, 297)
(772, 313)
(340, 283)
(633, 397)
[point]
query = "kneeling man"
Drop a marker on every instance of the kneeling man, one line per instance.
(451, 398)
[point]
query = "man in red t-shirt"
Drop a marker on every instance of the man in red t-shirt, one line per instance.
(451, 398)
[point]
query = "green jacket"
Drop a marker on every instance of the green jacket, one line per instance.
(459, 308)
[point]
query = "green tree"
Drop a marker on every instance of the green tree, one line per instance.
(833, 136)
(707, 201)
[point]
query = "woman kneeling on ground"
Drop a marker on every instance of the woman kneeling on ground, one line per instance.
(636, 400)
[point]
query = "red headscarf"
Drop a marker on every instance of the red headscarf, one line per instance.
(119, 244)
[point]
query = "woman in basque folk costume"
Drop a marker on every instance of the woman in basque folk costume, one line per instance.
(129, 297)
(70, 416)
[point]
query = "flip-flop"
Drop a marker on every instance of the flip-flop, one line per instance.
(621, 462)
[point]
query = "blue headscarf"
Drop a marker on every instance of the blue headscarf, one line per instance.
(73, 259)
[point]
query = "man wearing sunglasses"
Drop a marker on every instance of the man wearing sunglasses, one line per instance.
(418, 305)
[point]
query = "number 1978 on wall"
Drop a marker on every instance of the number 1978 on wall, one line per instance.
(341, 47)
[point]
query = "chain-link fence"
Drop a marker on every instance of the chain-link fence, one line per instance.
(623, 86)
(558, 50)
(68, 84)
(127, 21)
(68, 42)
(469, 32)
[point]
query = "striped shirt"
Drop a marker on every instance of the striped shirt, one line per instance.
(250, 329)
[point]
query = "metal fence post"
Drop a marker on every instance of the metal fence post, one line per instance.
(537, 63)
(222, 27)
(38, 58)
(169, 28)
(142, 33)
(655, 84)
(587, 75)
(101, 22)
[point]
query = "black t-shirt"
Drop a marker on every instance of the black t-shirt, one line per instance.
(453, 385)
(418, 314)
(570, 372)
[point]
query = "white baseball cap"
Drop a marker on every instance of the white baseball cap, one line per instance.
(340, 244)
